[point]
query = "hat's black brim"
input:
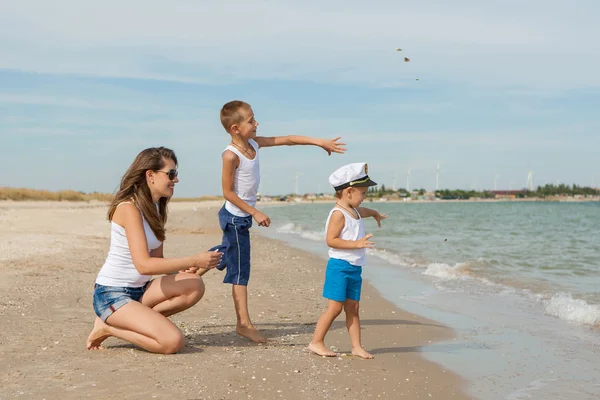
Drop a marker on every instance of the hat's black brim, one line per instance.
(366, 184)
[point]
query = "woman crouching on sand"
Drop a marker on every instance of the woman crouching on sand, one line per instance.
(130, 305)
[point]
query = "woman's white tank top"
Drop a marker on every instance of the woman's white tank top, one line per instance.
(118, 269)
(246, 181)
(353, 230)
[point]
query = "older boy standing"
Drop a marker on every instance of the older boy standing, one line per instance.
(240, 181)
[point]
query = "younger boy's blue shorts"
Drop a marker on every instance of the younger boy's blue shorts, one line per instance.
(235, 247)
(342, 281)
(108, 299)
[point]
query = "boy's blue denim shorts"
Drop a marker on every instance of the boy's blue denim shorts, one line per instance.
(342, 281)
(235, 247)
(108, 299)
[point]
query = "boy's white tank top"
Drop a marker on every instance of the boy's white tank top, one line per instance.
(118, 269)
(353, 230)
(246, 181)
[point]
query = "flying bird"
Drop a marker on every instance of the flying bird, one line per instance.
(406, 59)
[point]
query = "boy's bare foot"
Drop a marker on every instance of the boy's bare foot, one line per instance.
(98, 335)
(321, 349)
(251, 333)
(362, 353)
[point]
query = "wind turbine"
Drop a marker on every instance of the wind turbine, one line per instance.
(408, 180)
(496, 181)
(437, 177)
(530, 181)
(298, 175)
(260, 184)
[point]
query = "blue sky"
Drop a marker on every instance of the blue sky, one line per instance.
(504, 87)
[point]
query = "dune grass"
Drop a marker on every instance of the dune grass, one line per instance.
(22, 194)
(26, 194)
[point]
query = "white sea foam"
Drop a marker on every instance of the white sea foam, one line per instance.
(294, 229)
(564, 306)
(445, 271)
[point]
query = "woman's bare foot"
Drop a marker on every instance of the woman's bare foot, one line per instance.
(362, 353)
(251, 333)
(98, 335)
(321, 349)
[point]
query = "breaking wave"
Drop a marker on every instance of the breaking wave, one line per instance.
(564, 306)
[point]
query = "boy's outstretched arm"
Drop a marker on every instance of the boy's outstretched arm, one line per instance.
(230, 164)
(329, 145)
(367, 212)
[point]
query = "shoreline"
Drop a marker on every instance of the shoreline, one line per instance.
(370, 200)
(47, 273)
(32, 203)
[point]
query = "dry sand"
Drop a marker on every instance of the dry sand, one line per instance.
(50, 254)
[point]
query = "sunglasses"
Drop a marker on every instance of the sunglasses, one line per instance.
(172, 174)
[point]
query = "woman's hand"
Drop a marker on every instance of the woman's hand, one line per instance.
(206, 260)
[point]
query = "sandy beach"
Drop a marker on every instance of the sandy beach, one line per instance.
(50, 253)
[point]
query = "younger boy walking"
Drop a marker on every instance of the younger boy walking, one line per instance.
(347, 249)
(240, 181)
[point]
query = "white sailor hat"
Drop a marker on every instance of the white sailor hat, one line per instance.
(354, 175)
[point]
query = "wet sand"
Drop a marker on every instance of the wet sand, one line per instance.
(50, 254)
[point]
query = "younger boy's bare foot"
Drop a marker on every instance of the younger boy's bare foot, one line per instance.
(362, 353)
(251, 333)
(321, 349)
(98, 335)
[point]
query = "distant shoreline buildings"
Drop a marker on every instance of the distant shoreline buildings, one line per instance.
(380, 193)
(545, 193)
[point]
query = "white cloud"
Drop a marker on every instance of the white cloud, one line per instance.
(497, 139)
(46, 132)
(494, 42)
(44, 100)
(96, 97)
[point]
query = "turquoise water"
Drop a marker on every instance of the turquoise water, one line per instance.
(518, 281)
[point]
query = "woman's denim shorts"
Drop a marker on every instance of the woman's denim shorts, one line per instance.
(108, 299)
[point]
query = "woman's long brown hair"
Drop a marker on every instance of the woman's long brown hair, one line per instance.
(134, 186)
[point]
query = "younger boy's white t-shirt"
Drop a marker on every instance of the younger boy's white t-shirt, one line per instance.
(246, 180)
(353, 230)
